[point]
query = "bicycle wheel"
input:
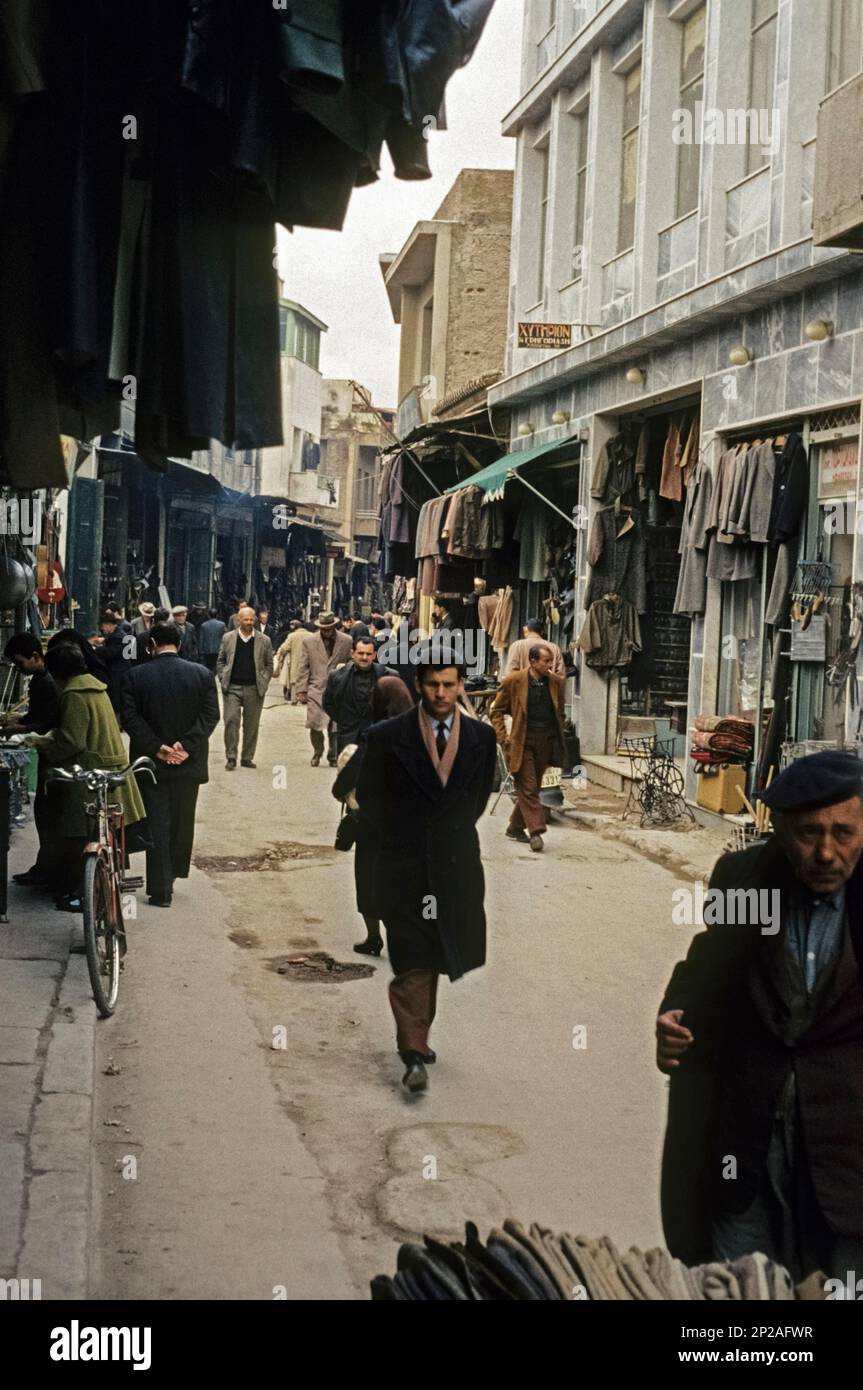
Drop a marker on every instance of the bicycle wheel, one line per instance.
(100, 935)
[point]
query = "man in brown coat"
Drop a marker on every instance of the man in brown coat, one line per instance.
(320, 654)
(535, 700)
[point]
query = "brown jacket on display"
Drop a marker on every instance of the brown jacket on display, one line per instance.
(512, 699)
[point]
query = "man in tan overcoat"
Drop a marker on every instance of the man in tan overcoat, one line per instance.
(320, 654)
(534, 698)
(287, 662)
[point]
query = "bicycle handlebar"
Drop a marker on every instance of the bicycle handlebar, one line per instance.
(92, 776)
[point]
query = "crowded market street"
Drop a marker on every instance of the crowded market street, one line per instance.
(303, 1166)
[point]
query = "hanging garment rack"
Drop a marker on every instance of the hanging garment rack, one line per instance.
(766, 431)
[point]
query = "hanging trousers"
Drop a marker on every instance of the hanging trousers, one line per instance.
(413, 1000)
(529, 813)
(171, 822)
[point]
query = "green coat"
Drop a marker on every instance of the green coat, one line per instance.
(88, 734)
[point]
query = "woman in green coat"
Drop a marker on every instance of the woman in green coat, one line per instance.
(87, 735)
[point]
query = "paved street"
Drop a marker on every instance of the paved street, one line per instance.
(223, 1165)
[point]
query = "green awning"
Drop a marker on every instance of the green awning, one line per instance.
(493, 478)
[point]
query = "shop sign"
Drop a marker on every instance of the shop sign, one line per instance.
(810, 645)
(545, 335)
(334, 552)
(837, 469)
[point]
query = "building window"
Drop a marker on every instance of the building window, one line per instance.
(845, 54)
(691, 92)
(547, 24)
(581, 125)
(368, 475)
(426, 343)
(762, 73)
(539, 288)
(629, 158)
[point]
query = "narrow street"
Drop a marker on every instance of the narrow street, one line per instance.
(261, 1167)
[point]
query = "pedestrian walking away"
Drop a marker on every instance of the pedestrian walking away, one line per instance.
(390, 697)
(170, 709)
(210, 635)
(320, 654)
(287, 660)
(518, 655)
(349, 692)
(424, 783)
(761, 1031)
(534, 700)
(244, 670)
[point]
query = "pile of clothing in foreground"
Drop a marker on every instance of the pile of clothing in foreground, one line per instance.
(538, 1264)
(722, 738)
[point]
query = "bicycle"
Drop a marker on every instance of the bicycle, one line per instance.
(104, 880)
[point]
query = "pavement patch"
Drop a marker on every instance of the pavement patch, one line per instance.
(283, 852)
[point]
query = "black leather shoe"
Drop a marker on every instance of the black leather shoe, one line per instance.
(520, 835)
(415, 1078)
(247, 762)
(316, 758)
(30, 880)
(230, 765)
(429, 1057)
(159, 902)
(333, 762)
(369, 948)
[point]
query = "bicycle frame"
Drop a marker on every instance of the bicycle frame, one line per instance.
(110, 846)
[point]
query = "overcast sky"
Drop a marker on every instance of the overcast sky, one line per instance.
(336, 274)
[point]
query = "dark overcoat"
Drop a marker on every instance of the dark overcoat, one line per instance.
(171, 700)
(736, 989)
(431, 886)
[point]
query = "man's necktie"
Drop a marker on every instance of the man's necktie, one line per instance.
(440, 741)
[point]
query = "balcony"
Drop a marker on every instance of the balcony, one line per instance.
(837, 215)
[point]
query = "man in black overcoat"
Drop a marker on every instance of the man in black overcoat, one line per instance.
(761, 1033)
(425, 781)
(170, 709)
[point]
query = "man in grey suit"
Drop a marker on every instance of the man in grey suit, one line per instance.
(244, 669)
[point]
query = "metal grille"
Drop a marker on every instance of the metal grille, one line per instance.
(834, 419)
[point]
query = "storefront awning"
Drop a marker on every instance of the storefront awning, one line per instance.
(493, 479)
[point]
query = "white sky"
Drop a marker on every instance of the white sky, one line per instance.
(336, 274)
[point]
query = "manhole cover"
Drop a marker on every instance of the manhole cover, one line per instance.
(262, 859)
(318, 967)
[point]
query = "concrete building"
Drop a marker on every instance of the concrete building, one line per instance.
(663, 209)
(352, 436)
(292, 470)
(447, 288)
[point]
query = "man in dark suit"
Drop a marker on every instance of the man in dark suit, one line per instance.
(425, 781)
(170, 709)
(761, 1032)
(349, 692)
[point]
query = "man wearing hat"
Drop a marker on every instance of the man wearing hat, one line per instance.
(244, 669)
(142, 624)
(189, 643)
(320, 654)
(761, 1033)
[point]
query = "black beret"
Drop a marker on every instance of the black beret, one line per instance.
(822, 779)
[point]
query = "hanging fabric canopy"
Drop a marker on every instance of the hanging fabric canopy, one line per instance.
(494, 477)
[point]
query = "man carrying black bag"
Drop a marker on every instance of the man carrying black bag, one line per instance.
(170, 709)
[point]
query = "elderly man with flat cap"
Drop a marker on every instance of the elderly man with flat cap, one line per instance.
(761, 1033)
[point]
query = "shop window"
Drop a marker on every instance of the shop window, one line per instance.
(629, 158)
(845, 52)
(691, 92)
(762, 69)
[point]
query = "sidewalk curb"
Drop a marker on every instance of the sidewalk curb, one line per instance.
(646, 843)
(59, 1197)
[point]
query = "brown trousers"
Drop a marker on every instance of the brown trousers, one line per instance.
(413, 999)
(529, 813)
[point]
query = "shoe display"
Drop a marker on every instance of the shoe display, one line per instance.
(230, 765)
(536, 843)
(416, 1077)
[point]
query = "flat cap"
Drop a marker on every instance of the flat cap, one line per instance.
(822, 779)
